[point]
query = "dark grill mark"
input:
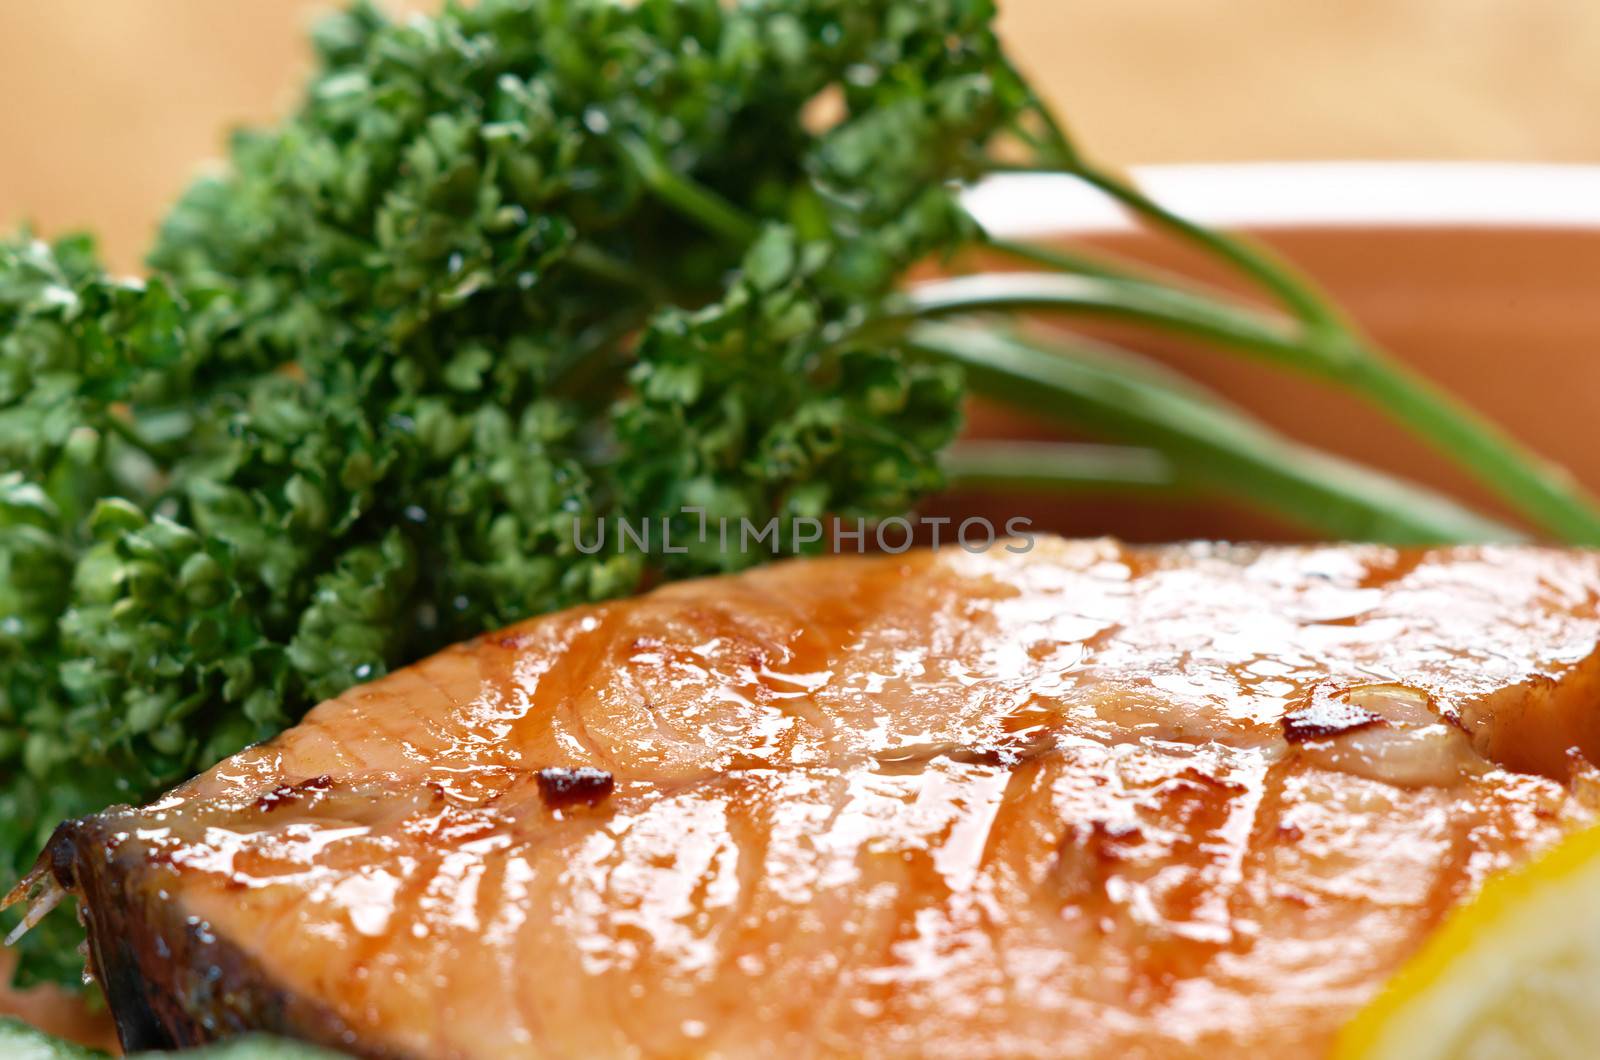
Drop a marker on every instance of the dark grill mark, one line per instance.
(561, 787)
(287, 793)
(63, 854)
(1323, 716)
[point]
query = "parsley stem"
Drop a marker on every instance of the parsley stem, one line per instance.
(1104, 266)
(1051, 467)
(1163, 307)
(1542, 490)
(1062, 260)
(1120, 398)
(692, 199)
(1296, 294)
(1246, 257)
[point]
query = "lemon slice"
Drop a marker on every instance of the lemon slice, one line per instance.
(1513, 973)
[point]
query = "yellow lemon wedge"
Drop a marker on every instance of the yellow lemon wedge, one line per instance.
(1513, 973)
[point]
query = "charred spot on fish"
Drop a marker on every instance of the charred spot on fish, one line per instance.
(62, 852)
(1325, 715)
(1112, 839)
(1190, 780)
(1099, 841)
(1087, 856)
(287, 793)
(561, 787)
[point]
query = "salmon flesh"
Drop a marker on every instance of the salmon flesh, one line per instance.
(1083, 800)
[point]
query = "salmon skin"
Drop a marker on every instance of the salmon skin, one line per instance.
(1090, 800)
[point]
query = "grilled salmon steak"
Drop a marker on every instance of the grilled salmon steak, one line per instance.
(1079, 800)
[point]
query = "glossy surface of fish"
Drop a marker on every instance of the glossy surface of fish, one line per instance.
(1084, 801)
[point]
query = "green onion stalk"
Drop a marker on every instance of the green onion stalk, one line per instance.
(1195, 439)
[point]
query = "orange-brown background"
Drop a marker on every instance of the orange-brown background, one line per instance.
(107, 106)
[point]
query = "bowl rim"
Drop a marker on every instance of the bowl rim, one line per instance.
(1278, 195)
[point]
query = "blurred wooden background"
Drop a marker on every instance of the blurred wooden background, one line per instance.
(109, 105)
